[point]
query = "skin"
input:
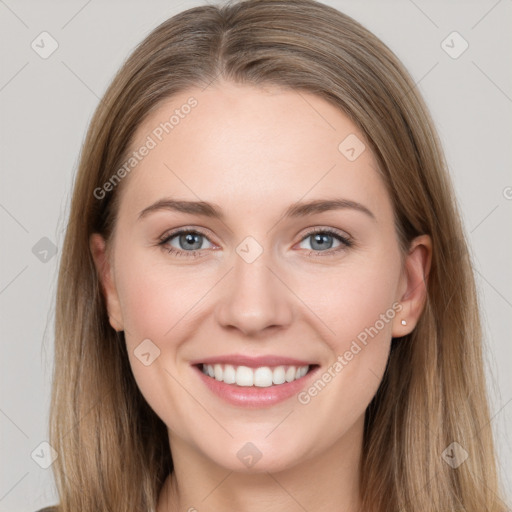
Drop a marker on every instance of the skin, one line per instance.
(243, 147)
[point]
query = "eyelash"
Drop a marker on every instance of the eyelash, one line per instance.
(345, 242)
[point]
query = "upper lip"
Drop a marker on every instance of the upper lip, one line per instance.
(252, 362)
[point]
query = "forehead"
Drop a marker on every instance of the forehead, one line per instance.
(246, 146)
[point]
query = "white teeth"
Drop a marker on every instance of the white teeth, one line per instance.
(278, 375)
(229, 376)
(290, 374)
(261, 377)
(244, 376)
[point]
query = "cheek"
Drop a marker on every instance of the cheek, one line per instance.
(357, 304)
(155, 297)
(353, 299)
(157, 304)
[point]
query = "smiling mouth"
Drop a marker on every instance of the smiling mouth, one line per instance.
(262, 377)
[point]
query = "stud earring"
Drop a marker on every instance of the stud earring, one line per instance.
(404, 322)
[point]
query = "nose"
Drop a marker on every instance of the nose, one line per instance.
(254, 299)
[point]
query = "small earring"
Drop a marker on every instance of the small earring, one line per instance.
(404, 322)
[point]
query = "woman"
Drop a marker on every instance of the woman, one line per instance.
(265, 297)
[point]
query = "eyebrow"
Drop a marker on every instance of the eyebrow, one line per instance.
(299, 209)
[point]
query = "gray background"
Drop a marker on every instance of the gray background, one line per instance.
(46, 105)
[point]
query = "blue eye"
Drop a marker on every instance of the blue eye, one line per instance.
(189, 242)
(322, 240)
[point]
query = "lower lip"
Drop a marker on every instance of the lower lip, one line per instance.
(245, 396)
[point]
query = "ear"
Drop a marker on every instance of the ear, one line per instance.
(98, 247)
(413, 285)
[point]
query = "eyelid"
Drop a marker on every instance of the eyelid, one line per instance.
(184, 229)
(324, 229)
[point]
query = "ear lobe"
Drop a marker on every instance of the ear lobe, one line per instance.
(98, 248)
(414, 285)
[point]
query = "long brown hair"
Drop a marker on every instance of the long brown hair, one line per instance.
(113, 450)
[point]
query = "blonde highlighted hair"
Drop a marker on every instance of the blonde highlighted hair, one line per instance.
(113, 449)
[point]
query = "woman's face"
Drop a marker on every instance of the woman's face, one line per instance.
(217, 258)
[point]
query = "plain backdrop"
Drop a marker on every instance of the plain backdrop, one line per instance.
(47, 103)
